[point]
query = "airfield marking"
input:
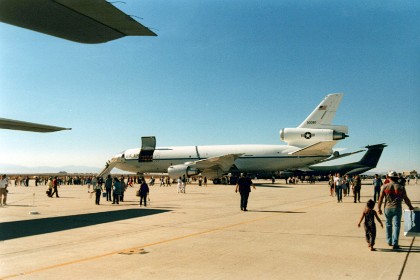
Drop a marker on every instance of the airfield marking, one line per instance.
(140, 248)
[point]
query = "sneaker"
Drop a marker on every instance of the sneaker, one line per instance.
(396, 247)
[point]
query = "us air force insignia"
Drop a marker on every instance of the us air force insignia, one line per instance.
(307, 135)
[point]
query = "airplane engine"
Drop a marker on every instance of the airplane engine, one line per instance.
(306, 136)
(176, 171)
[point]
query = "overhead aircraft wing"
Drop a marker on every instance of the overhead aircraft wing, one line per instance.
(220, 162)
(83, 21)
(28, 126)
(320, 148)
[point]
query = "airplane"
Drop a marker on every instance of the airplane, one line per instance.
(309, 143)
(83, 21)
(369, 161)
(28, 126)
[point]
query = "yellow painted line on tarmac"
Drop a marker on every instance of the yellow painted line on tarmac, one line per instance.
(149, 244)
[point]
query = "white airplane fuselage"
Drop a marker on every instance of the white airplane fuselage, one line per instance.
(307, 144)
(255, 157)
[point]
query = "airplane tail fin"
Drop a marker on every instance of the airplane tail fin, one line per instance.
(372, 156)
(317, 127)
(323, 115)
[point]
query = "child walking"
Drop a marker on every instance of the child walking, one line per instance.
(370, 227)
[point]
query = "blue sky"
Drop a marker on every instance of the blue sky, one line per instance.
(219, 72)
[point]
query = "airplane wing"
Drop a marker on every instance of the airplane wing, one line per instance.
(28, 126)
(83, 21)
(210, 167)
(341, 156)
(320, 148)
(220, 162)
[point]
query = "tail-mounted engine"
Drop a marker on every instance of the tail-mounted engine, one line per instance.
(302, 137)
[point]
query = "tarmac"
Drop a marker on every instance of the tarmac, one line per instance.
(290, 232)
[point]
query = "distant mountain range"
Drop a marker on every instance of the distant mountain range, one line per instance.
(10, 168)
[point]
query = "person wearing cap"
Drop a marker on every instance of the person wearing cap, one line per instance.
(244, 186)
(393, 194)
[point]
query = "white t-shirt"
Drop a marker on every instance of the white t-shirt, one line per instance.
(338, 181)
(3, 183)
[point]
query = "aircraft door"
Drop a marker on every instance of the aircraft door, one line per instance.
(148, 145)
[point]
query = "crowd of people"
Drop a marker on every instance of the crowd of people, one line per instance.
(390, 193)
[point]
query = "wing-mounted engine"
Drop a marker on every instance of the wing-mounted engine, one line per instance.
(302, 137)
(180, 170)
(212, 167)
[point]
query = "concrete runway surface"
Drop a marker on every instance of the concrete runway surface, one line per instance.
(290, 232)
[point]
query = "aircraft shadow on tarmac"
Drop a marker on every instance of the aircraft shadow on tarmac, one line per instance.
(17, 229)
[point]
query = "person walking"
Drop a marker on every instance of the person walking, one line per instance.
(345, 185)
(377, 184)
(330, 184)
(179, 184)
(123, 188)
(94, 182)
(108, 187)
(50, 187)
(88, 182)
(244, 187)
(3, 190)
(338, 183)
(369, 214)
(144, 191)
(116, 191)
(357, 186)
(184, 183)
(97, 188)
(55, 185)
(393, 194)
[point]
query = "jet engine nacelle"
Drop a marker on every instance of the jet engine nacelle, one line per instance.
(305, 136)
(176, 171)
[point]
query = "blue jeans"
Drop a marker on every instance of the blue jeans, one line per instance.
(376, 193)
(339, 192)
(393, 224)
